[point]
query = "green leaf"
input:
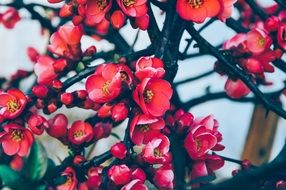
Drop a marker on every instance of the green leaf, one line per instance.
(9, 177)
(37, 162)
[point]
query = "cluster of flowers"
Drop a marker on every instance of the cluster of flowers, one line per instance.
(198, 10)
(100, 13)
(254, 52)
(9, 18)
(108, 91)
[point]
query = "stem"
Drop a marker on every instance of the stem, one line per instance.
(241, 74)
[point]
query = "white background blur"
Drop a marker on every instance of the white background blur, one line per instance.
(234, 118)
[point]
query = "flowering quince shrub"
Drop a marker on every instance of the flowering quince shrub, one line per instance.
(164, 146)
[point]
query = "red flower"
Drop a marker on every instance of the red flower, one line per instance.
(44, 70)
(16, 140)
(206, 167)
(164, 177)
(66, 42)
(12, 103)
(10, 17)
(281, 36)
(105, 84)
(133, 8)
(118, 150)
(149, 67)
(94, 177)
(156, 150)
(202, 137)
(135, 184)
(198, 10)
(119, 174)
(153, 96)
(236, 88)
(58, 126)
(258, 41)
(71, 181)
(37, 124)
(96, 11)
(142, 126)
(227, 8)
(80, 132)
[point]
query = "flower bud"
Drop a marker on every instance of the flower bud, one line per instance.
(271, 24)
(142, 22)
(119, 150)
(102, 130)
(58, 126)
(117, 19)
(119, 174)
(119, 112)
(40, 91)
(67, 98)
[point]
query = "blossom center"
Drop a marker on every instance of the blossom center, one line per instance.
(101, 4)
(69, 180)
(261, 42)
(17, 135)
(144, 128)
(148, 96)
(196, 3)
(157, 152)
(105, 87)
(198, 144)
(78, 134)
(13, 106)
(128, 3)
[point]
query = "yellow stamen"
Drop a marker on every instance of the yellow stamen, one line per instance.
(196, 3)
(148, 96)
(17, 135)
(128, 3)
(13, 106)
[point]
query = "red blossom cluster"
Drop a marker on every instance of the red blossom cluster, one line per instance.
(134, 91)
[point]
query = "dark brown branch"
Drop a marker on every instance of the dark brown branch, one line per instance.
(240, 73)
(282, 3)
(194, 78)
(257, 10)
(245, 179)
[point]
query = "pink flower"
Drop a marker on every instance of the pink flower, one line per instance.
(119, 174)
(105, 84)
(202, 168)
(71, 181)
(156, 150)
(153, 96)
(149, 67)
(96, 10)
(258, 41)
(133, 8)
(80, 132)
(142, 126)
(44, 70)
(164, 177)
(202, 137)
(227, 8)
(12, 103)
(16, 139)
(66, 42)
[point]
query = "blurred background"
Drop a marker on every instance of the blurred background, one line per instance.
(234, 118)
